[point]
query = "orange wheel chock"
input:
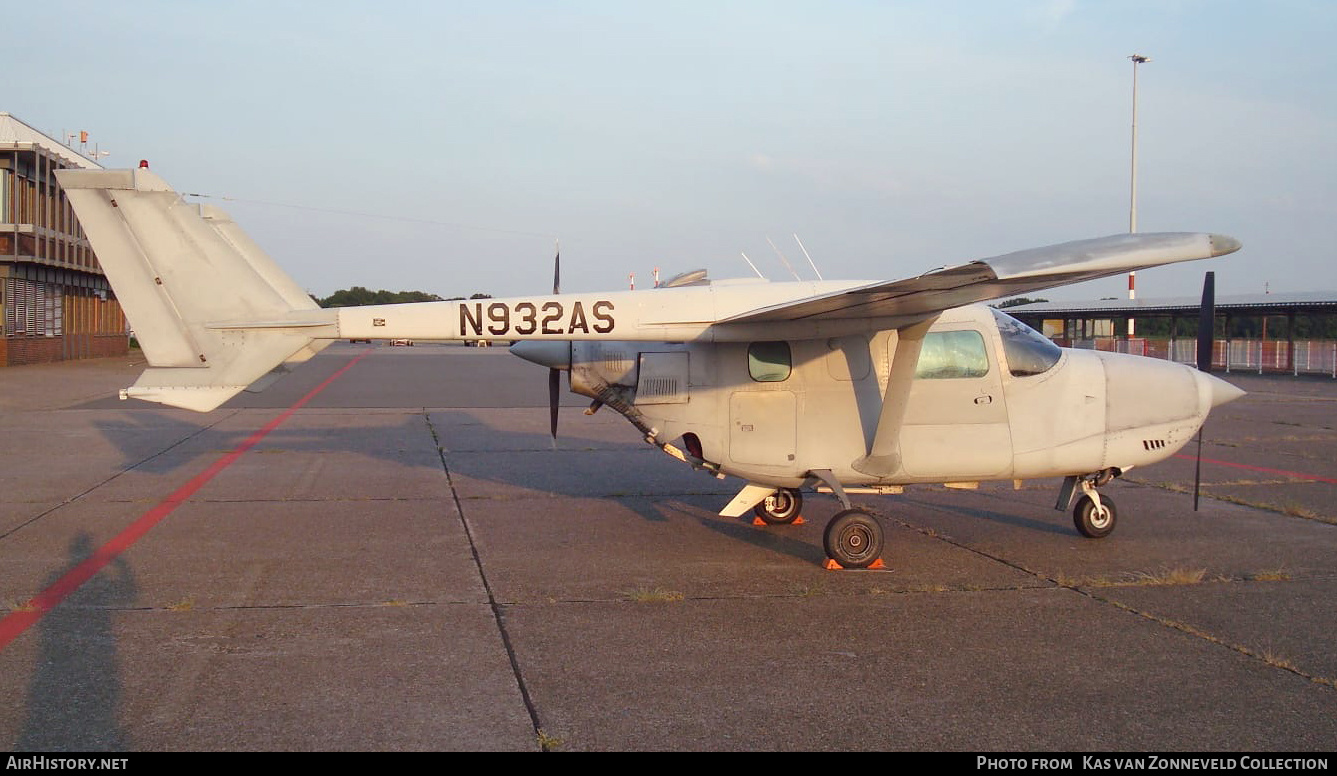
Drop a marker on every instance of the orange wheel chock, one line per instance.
(831, 565)
(757, 521)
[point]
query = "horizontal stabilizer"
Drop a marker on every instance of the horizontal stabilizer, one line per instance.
(199, 398)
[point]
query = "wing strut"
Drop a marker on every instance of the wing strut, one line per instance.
(884, 459)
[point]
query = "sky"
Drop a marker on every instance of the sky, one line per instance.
(447, 146)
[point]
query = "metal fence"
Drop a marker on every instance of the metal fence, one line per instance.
(1302, 357)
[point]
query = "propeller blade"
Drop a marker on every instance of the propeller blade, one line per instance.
(554, 393)
(1197, 471)
(1206, 330)
(1207, 322)
(555, 375)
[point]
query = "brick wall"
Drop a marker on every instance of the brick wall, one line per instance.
(105, 345)
(16, 351)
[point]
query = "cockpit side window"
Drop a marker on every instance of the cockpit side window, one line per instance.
(769, 362)
(947, 355)
(1028, 351)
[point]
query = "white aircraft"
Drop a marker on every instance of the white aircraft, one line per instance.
(838, 387)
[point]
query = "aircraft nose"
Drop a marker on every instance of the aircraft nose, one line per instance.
(554, 354)
(1219, 391)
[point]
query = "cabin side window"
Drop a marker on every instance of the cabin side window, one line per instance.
(769, 362)
(947, 355)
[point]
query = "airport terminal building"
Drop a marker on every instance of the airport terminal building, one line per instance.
(55, 302)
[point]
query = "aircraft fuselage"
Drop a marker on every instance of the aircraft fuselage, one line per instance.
(986, 403)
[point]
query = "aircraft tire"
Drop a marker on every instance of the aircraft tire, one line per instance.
(788, 502)
(853, 539)
(1089, 523)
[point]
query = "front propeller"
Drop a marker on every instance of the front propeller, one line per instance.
(1206, 341)
(554, 354)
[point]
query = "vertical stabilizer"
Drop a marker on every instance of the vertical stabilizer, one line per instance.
(182, 273)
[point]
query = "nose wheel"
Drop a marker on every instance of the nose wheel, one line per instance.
(1094, 516)
(853, 539)
(1094, 521)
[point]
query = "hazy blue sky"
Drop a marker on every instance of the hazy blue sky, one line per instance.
(893, 137)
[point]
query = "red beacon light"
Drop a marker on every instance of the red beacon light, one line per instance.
(143, 164)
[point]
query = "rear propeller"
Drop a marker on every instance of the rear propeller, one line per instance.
(1206, 330)
(554, 374)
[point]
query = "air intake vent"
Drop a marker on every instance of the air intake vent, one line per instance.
(658, 386)
(1153, 444)
(615, 362)
(662, 378)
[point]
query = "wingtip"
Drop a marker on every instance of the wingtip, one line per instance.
(1221, 244)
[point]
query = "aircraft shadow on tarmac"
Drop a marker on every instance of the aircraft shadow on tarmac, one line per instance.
(477, 454)
(1006, 518)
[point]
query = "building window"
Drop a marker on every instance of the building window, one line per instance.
(4, 198)
(769, 362)
(33, 309)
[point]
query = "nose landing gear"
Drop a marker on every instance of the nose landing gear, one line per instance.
(1094, 515)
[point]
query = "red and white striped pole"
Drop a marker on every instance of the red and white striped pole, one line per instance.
(1132, 197)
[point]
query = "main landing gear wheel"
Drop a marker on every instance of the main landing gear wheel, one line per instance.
(781, 507)
(853, 539)
(1092, 522)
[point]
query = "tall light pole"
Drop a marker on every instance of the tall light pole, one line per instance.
(1132, 197)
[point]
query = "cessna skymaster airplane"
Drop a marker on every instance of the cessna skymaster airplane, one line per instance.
(833, 386)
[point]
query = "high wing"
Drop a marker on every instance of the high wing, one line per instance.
(1007, 275)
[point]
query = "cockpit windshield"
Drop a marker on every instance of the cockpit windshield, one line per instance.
(1028, 351)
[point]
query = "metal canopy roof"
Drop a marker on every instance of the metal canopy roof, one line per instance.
(14, 132)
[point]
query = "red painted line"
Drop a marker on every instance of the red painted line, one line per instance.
(1283, 472)
(19, 621)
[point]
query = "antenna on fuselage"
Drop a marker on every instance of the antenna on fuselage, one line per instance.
(788, 266)
(805, 253)
(753, 266)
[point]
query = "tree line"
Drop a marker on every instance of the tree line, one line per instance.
(358, 296)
